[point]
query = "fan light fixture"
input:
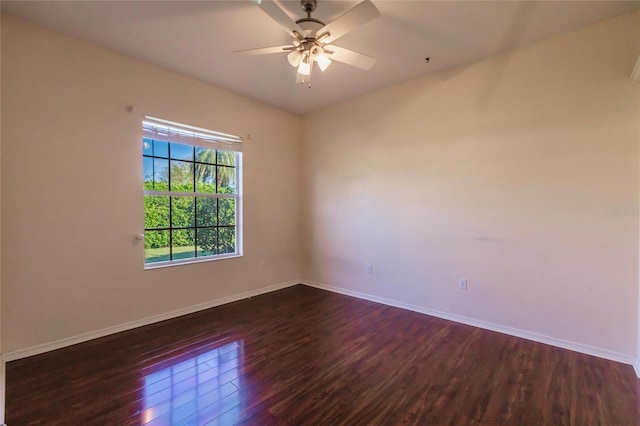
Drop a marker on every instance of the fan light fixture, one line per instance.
(305, 66)
(323, 62)
(295, 58)
(308, 54)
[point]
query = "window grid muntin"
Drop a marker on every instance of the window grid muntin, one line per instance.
(196, 195)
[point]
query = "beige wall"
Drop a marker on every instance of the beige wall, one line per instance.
(500, 172)
(1, 370)
(72, 191)
(637, 363)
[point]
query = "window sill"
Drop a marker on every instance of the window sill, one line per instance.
(168, 264)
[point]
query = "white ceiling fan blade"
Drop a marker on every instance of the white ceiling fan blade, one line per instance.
(354, 17)
(350, 57)
(266, 50)
(277, 14)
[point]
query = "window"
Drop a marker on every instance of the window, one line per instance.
(192, 200)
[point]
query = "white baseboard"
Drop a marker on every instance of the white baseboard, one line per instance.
(58, 344)
(561, 343)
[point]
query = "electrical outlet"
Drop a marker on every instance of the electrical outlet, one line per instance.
(462, 284)
(369, 269)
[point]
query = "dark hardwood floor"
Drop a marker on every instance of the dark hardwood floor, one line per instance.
(306, 356)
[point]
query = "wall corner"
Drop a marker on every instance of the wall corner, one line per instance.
(635, 74)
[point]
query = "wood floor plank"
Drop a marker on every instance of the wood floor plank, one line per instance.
(303, 356)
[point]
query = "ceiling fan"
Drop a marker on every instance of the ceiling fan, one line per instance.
(312, 38)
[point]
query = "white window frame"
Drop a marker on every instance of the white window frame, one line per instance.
(172, 132)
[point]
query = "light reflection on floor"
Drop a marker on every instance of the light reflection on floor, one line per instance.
(200, 390)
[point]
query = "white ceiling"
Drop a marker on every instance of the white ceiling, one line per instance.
(197, 38)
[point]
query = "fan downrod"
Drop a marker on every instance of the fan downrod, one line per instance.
(309, 6)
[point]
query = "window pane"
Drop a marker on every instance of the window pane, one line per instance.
(181, 176)
(181, 152)
(207, 241)
(226, 211)
(205, 178)
(227, 158)
(182, 212)
(226, 240)
(183, 244)
(156, 212)
(160, 149)
(205, 155)
(207, 212)
(147, 146)
(160, 174)
(147, 172)
(226, 180)
(156, 246)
